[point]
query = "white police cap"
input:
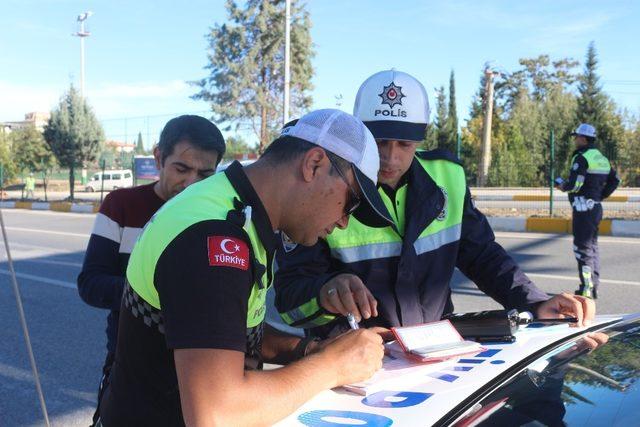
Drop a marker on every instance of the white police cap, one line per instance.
(393, 105)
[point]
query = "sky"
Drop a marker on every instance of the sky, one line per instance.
(142, 54)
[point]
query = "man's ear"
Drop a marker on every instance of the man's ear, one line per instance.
(157, 155)
(312, 161)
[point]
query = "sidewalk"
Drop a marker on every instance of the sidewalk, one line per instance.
(608, 227)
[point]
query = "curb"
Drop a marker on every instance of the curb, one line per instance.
(608, 227)
(52, 206)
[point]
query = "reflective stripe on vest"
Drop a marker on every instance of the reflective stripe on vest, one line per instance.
(443, 237)
(209, 199)
(365, 252)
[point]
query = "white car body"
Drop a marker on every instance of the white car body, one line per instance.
(428, 397)
(110, 180)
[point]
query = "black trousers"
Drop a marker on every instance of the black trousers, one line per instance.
(104, 381)
(585, 245)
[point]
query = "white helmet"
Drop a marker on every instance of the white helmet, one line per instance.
(585, 129)
(393, 105)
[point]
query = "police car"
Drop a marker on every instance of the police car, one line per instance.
(551, 375)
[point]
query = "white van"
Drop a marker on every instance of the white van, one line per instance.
(111, 179)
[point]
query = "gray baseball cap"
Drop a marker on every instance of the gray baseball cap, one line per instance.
(347, 137)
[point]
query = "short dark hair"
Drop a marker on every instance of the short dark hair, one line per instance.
(287, 148)
(195, 130)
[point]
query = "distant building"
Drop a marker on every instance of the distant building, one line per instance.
(119, 146)
(36, 118)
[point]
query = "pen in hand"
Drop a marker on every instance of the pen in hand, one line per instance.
(352, 321)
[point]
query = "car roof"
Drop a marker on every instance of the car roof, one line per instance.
(437, 389)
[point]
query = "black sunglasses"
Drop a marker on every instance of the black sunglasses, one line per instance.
(353, 201)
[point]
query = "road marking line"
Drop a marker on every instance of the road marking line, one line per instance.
(6, 211)
(575, 279)
(48, 261)
(40, 250)
(41, 279)
(35, 230)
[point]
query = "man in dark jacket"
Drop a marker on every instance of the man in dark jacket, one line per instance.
(591, 180)
(399, 275)
(189, 150)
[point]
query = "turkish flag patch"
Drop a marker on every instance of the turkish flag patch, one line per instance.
(228, 252)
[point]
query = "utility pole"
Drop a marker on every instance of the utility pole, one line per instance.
(485, 160)
(82, 33)
(287, 60)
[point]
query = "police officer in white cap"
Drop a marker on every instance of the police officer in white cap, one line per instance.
(591, 179)
(399, 275)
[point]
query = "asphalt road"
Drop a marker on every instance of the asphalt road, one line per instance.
(68, 336)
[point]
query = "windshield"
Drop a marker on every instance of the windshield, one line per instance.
(589, 381)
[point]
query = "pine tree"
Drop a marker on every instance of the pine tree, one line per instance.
(436, 135)
(591, 102)
(595, 108)
(442, 138)
(139, 145)
(74, 134)
(452, 115)
(246, 63)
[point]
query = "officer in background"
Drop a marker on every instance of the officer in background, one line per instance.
(402, 272)
(591, 180)
(30, 186)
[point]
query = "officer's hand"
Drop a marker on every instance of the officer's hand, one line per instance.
(345, 293)
(384, 333)
(355, 355)
(567, 305)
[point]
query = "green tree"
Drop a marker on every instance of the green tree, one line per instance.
(74, 134)
(6, 161)
(30, 152)
(246, 58)
(236, 145)
(629, 158)
(452, 115)
(139, 145)
(595, 107)
(442, 138)
(436, 135)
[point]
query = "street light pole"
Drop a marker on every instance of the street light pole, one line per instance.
(287, 60)
(485, 159)
(82, 33)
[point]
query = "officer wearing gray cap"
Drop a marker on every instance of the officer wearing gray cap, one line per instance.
(591, 179)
